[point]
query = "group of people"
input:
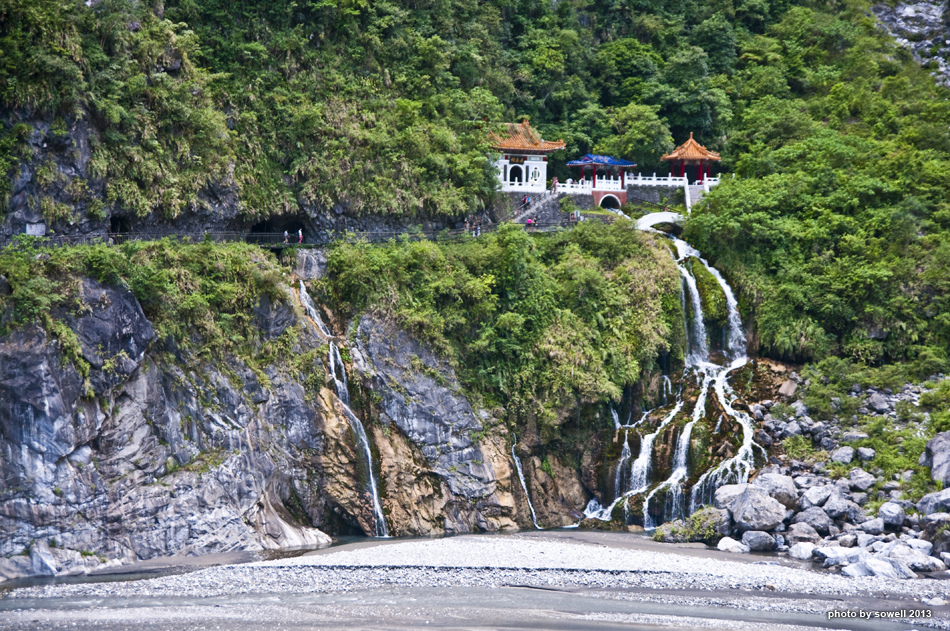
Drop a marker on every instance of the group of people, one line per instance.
(299, 236)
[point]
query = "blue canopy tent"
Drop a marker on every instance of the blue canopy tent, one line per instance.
(594, 161)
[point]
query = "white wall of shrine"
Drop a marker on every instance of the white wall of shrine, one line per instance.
(522, 173)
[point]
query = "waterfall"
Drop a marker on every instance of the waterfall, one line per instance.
(710, 377)
(700, 351)
(338, 371)
(624, 458)
(524, 485)
(616, 417)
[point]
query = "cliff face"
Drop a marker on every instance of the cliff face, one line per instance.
(924, 29)
(153, 453)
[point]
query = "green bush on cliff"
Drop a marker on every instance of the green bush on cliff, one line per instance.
(535, 323)
(203, 296)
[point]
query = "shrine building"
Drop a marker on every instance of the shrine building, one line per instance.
(523, 165)
(691, 153)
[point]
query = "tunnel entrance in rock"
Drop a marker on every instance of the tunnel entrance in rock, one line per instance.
(272, 230)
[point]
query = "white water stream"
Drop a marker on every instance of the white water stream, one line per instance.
(524, 485)
(338, 370)
(709, 376)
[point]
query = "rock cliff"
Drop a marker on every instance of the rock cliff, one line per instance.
(131, 448)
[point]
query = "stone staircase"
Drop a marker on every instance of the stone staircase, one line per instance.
(543, 207)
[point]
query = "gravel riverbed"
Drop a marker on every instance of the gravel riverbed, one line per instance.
(599, 566)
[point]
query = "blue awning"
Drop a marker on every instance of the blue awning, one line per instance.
(594, 160)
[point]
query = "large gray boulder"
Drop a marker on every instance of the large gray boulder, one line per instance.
(802, 533)
(937, 457)
(816, 518)
(802, 551)
(891, 514)
(881, 568)
(838, 507)
(758, 541)
(878, 403)
(843, 455)
(753, 509)
(938, 502)
(911, 557)
(816, 496)
(837, 555)
(779, 487)
(873, 526)
(728, 544)
(860, 480)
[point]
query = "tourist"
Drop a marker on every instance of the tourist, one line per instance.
(286, 237)
(300, 236)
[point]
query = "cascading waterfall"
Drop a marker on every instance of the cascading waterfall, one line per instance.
(709, 376)
(624, 458)
(524, 485)
(338, 371)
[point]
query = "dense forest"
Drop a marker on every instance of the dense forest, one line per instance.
(834, 230)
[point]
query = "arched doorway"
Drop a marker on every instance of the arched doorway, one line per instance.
(515, 174)
(610, 202)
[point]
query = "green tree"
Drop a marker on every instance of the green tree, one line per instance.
(640, 135)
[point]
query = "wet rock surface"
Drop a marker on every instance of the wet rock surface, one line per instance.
(922, 28)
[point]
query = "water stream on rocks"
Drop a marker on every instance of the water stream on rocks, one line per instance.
(524, 485)
(338, 370)
(709, 376)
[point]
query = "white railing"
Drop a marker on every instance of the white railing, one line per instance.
(646, 180)
(521, 187)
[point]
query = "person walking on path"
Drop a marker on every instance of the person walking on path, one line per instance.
(286, 237)
(300, 236)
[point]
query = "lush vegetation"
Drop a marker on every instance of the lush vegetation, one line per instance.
(535, 324)
(835, 231)
(381, 106)
(201, 298)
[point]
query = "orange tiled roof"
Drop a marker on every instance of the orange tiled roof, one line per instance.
(520, 137)
(691, 150)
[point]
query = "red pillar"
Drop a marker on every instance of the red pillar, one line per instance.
(595, 176)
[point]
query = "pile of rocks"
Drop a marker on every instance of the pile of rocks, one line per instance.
(812, 517)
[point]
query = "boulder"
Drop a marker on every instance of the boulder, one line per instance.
(837, 507)
(779, 487)
(847, 541)
(788, 388)
(802, 551)
(850, 437)
(922, 546)
(937, 457)
(914, 559)
(830, 556)
(936, 530)
(816, 496)
(882, 568)
(816, 518)
(938, 502)
(726, 495)
(865, 454)
(728, 544)
(878, 403)
(758, 541)
(891, 514)
(802, 533)
(792, 429)
(753, 509)
(873, 526)
(860, 480)
(843, 455)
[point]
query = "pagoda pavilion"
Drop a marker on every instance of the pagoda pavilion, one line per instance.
(691, 152)
(523, 165)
